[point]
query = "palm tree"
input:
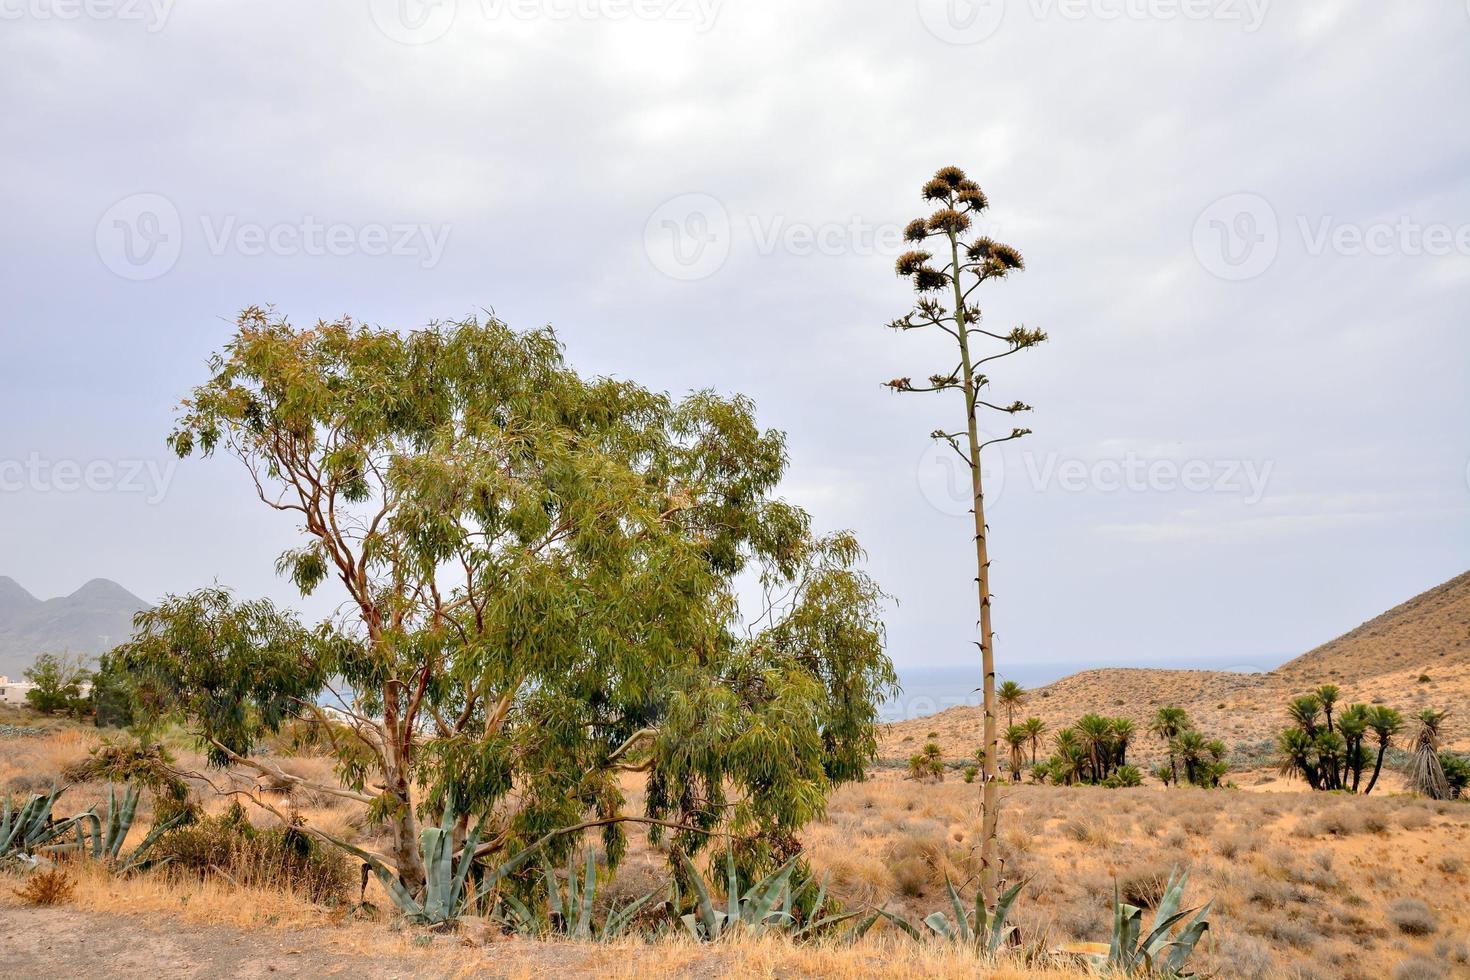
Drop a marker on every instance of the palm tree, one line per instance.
(1327, 696)
(1167, 724)
(1386, 723)
(1069, 752)
(1011, 696)
(1123, 731)
(1303, 711)
(1425, 772)
(1353, 726)
(1097, 737)
(1035, 728)
(1294, 752)
(1016, 737)
(1191, 748)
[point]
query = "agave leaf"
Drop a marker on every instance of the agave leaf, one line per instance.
(619, 919)
(1183, 946)
(732, 884)
(999, 931)
(553, 892)
(1095, 953)
(938, 924)
(861, 929)
(902, 923)
(707, 914)
(770, 890)
(963, 925)
(589, 893)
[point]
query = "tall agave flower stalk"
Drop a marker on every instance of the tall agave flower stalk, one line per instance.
(945, 285)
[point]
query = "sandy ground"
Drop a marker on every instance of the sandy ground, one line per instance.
(57, 942)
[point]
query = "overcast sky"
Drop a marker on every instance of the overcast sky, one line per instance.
(1246, 225)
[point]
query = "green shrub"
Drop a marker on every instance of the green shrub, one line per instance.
(276, 857)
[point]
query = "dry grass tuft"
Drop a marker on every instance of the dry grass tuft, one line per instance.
(49, 887)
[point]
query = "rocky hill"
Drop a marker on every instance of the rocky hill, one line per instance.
(1414, 656)
(91, 620)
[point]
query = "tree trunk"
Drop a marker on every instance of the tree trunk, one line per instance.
(990, 795)
(401, 819)
(1377, 767)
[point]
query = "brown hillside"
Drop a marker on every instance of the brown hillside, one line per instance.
(1380, 661)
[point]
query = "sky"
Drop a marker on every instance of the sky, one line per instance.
(1246, 226)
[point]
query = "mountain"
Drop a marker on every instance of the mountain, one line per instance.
(1415, 656)
(91, 620)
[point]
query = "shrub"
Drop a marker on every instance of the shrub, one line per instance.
(1419, 968)
(274, 858)
(911, 875)
(1144, 886)
(50, 887)
(970, 773)
(1412, 917)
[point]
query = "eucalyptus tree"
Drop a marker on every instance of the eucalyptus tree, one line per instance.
(945, 303)
(536, 573)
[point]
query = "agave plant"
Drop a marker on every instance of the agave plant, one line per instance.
(29, 826)
(987, 933)
(32, 829)
(570, 912)
(755, 910)
(1163, 951)
(107, 838)
(446, 892)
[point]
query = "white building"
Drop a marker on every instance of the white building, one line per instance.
(13, 692)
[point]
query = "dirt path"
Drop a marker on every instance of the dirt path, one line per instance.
(52, 942)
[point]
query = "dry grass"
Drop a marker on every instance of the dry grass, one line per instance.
(49, 887)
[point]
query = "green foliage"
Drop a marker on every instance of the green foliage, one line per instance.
(1095, 752)
(1332, 753)
(113, 694)
(540, 569)
(1456, 771)
(1164, 951)
(281, 858)
(928, 763)
(59, 683)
